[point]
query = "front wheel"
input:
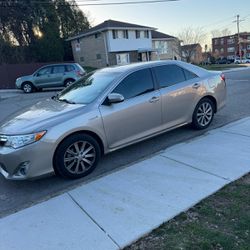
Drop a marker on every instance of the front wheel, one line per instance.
(27, 87)
(77, 156)
(203, 114)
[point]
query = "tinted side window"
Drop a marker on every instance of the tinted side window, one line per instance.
(189, 75)
(135, 84)
(69, 68)
(58, 69)
(44, 71)
(168, 75)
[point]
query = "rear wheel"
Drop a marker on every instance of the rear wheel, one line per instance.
(27, 87)
(68, 82)
(77, 156)
(203, 114)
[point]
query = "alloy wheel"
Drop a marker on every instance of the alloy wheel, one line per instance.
(79, 157)
(204, 114)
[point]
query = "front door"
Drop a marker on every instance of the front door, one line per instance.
(42, 77)
(138, 116)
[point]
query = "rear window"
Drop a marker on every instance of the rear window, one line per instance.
(189, 75)
(58, 69)
(168, 75)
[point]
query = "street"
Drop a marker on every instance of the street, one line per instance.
(17, 195)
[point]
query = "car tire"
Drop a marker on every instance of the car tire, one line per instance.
(77, 156)
(68, 82)
(203, 114)
(27, 87)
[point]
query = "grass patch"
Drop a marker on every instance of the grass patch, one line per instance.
(222, 66)
(221, 221)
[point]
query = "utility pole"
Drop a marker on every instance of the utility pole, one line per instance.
(237, 21)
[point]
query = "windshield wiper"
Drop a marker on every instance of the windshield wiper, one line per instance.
(65, 100)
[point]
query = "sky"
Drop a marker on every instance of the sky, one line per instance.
(172, 17)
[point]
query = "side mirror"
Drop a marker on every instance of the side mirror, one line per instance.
(115, 98)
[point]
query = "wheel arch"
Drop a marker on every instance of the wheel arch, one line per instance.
(27, 82)
(211, 98)
(88, 132)
(68, 79)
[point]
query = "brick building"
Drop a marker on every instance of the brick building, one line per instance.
(228, 46)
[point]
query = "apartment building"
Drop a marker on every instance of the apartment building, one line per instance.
(231, 47)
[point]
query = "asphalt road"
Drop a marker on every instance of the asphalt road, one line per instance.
(16, 195)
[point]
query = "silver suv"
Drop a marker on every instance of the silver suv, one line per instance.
(56, 75)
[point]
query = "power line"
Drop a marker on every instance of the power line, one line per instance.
(96, 4)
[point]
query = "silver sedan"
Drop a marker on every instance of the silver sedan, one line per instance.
(104, 111)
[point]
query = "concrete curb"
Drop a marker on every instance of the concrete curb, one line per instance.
(8, 93)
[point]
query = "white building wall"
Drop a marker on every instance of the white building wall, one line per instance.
(130, 44)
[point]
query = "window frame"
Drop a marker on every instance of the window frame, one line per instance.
(53, 67)
(37, 72)
(155, 87)
(172, 64)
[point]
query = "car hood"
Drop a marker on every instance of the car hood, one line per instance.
(25, 78)
(39, 117)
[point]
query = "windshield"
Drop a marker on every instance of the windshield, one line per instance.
(88, 88)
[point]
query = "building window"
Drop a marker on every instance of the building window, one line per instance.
(222, 41)
(248, 46)
(115, 34)
(82, 59)
(215, 42)
(221, 50)
(98, 56)
(122, 59)
(97, 35)
(125, 34)
(230, 41)
(230, 49)
(248, 55)
(146, 34)
(248, 38)
(137, 34)
(161, 47)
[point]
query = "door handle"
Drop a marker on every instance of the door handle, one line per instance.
(196, 86)
(154, 99)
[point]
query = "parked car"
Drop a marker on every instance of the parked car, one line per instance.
(56, 75)
(224, 61)
(238, 60)
(104, 111)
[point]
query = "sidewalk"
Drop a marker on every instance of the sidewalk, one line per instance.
(115, 210)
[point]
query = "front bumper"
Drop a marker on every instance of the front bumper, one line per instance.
(30, 161)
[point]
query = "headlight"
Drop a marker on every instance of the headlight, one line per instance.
(18, 141)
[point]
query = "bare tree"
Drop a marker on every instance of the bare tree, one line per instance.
(219, 33)
(191, 38)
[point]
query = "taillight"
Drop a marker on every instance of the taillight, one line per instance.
(222, 76)
(79, 73)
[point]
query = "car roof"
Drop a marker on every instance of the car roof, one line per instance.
(141, 65)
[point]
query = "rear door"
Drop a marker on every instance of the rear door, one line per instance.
(57, 76)
(138, 116)
(180, 90)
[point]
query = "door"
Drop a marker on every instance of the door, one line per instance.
(138, 116)
(180, 90)
(57, 76)
(42, 77)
